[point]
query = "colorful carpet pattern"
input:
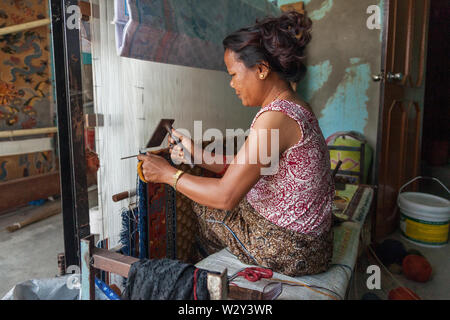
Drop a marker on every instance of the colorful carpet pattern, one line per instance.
(187, 33)
(26, 93)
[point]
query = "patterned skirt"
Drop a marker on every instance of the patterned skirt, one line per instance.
(255, 240)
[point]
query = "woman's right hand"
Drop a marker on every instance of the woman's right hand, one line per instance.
(176, 151)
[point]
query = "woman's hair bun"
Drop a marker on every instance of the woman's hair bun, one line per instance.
(298, 25)
(280, 41)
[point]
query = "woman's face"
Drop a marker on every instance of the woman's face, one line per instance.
(245, 81)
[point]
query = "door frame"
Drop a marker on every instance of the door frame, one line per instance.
(387, 25)
(378, 149)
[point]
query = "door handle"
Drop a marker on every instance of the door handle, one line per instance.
(378, 77)
(394, 76)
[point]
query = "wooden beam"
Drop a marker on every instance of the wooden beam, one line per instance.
(27, 132)
(112, 262)
(123, 195)
(24, 26)
(12, 148)
(39, 213)
(18, 192)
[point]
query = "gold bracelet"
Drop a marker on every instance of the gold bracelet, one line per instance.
(176, 176)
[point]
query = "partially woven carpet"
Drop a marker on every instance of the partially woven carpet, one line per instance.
(183, 32)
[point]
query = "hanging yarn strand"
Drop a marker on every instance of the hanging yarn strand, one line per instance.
(195, 284)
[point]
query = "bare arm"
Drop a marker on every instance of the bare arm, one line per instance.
(242, 174)
(245, 171)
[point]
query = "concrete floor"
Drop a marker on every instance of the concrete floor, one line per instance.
(31, 252)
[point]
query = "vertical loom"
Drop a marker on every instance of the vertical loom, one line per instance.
(132, 95)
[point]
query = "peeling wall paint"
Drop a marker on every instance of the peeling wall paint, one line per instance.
(316, 76)
(347, 106)
(381, 5)
(341, 58)
(283, 2)
(322, 11)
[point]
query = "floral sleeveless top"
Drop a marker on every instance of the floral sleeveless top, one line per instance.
(300, 194)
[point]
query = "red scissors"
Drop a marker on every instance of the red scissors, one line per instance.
(254, 274)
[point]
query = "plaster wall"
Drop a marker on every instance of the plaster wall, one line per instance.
(341, 58)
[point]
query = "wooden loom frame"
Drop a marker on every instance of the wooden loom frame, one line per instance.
(101, 259)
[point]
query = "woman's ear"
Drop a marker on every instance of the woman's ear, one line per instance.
(263, 70)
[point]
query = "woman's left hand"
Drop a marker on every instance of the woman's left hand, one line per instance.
(155, 168)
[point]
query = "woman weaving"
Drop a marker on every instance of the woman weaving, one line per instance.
(281, 221)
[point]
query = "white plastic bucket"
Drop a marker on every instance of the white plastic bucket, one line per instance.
(424, 218)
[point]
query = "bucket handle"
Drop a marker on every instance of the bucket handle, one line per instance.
(421, 177)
